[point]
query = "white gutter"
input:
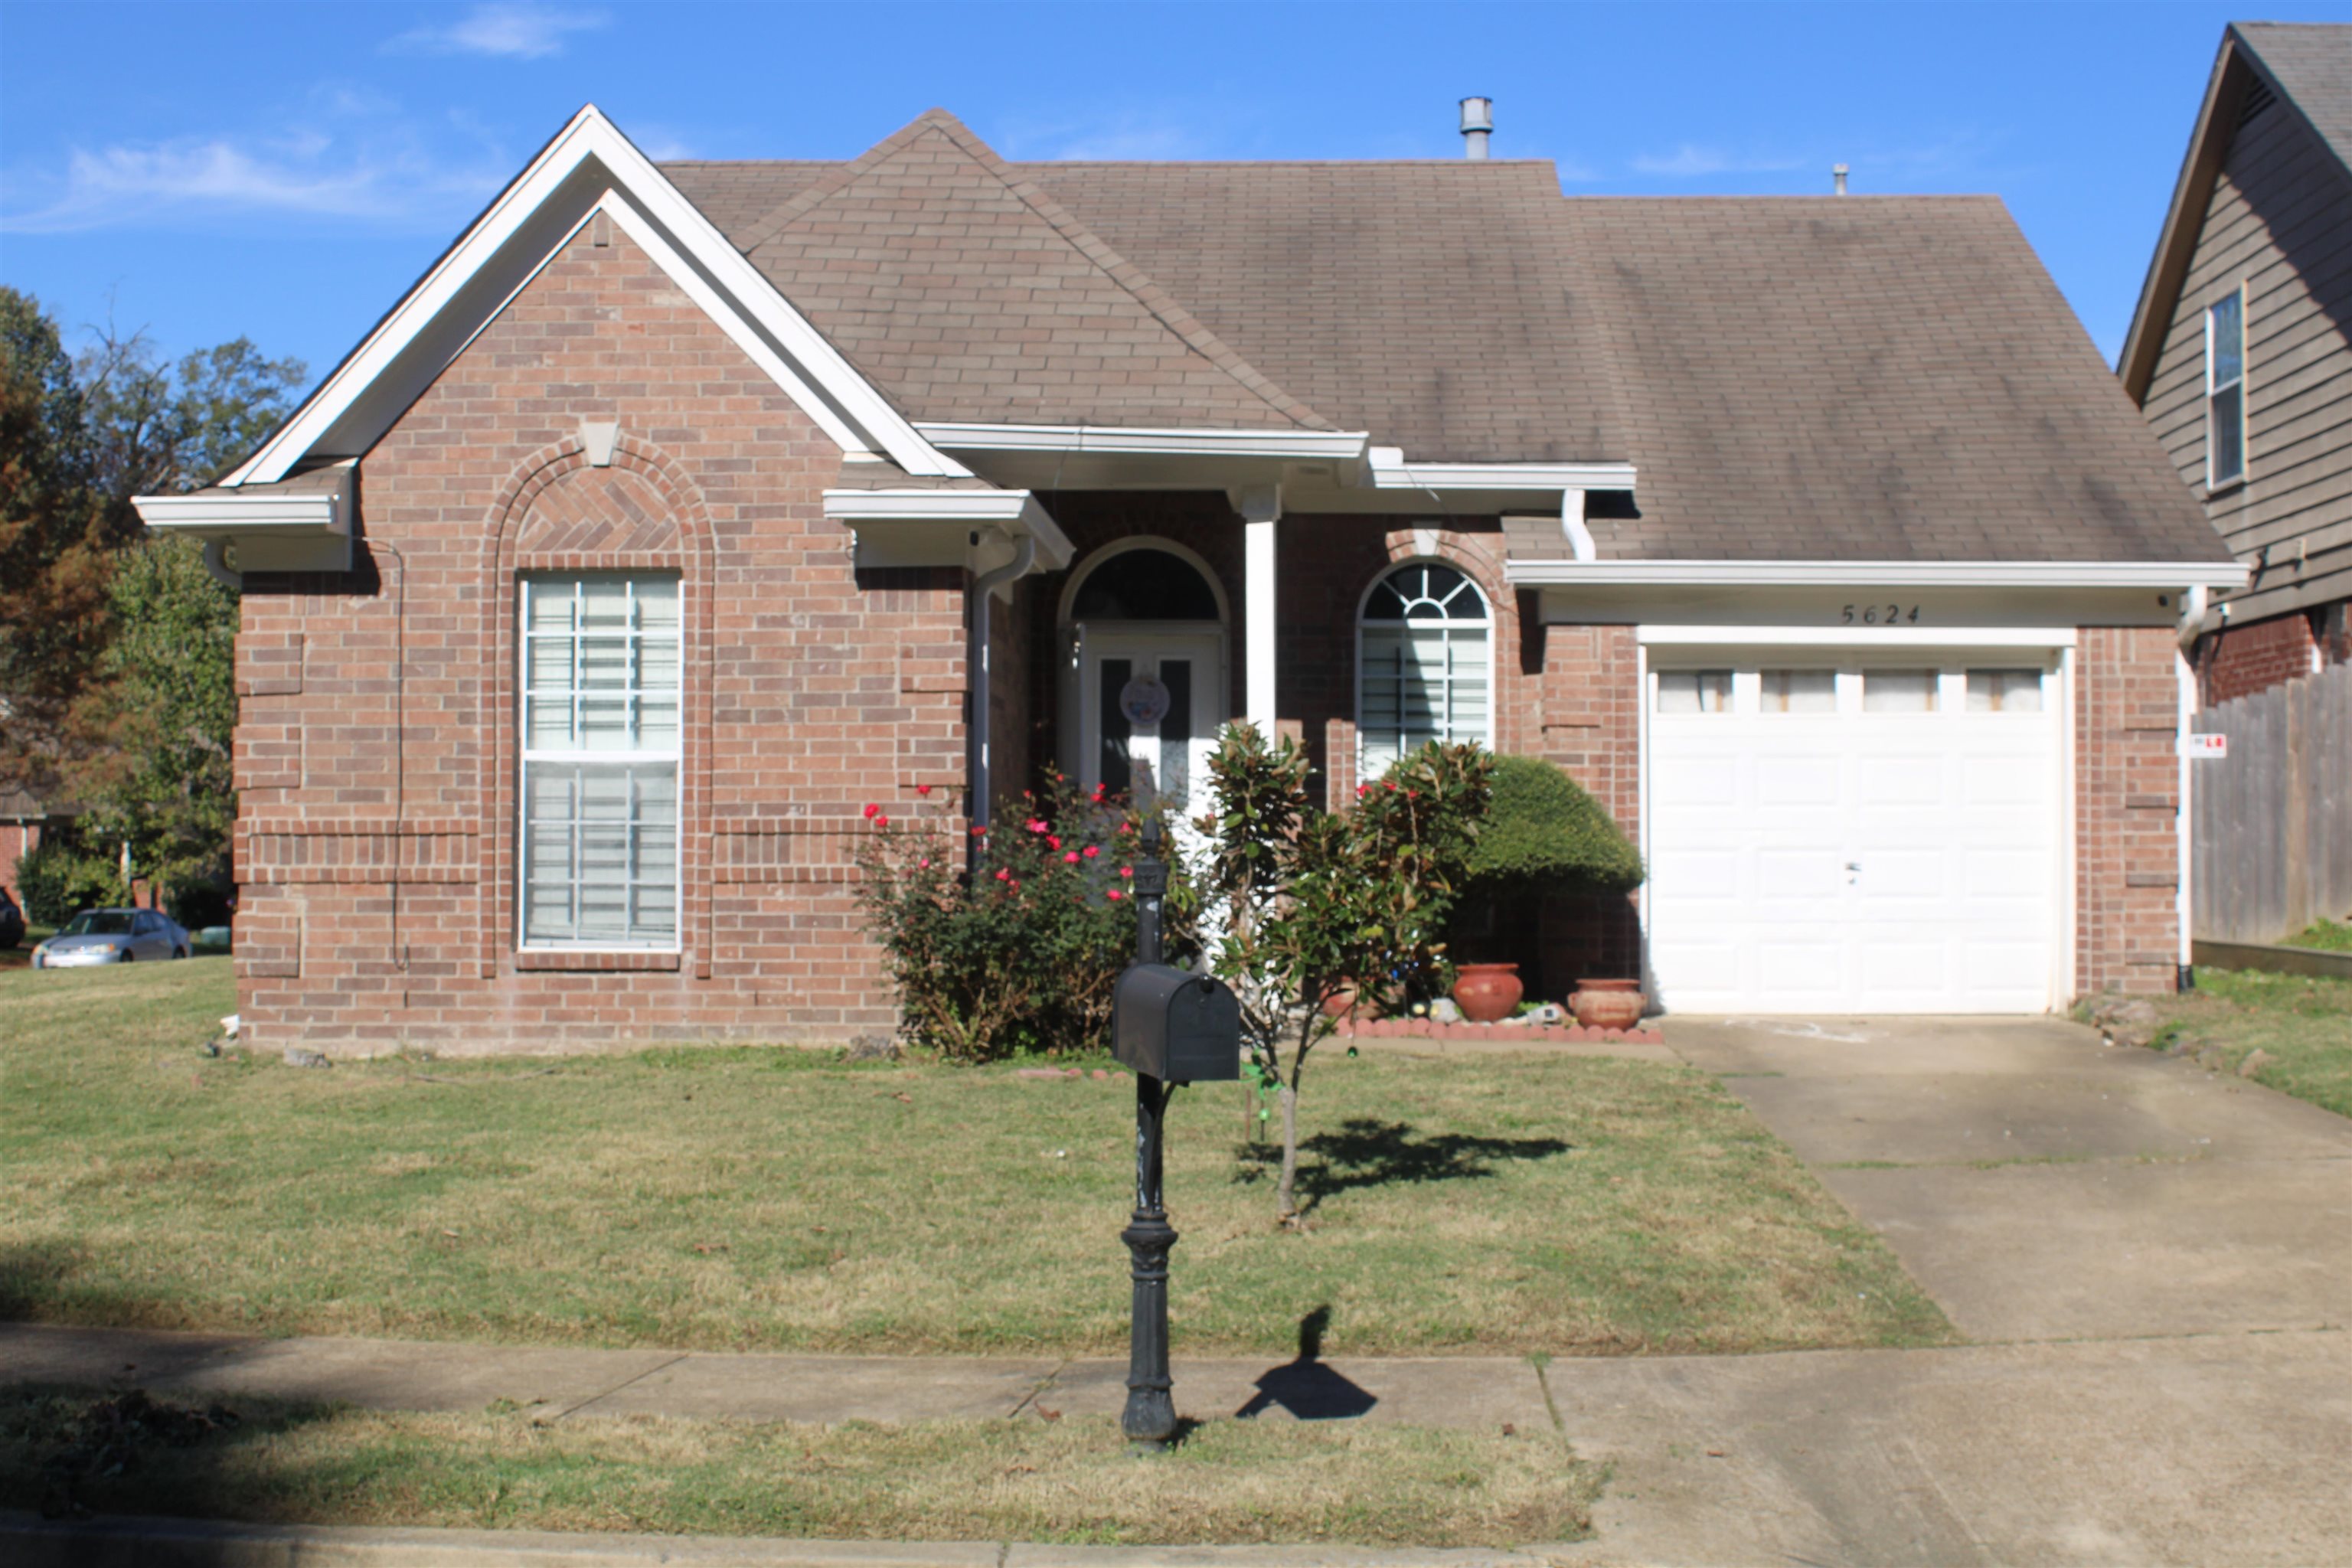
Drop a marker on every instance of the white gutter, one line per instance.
(947, 517)
(1391, 472)
(2169, 574)
(1305, 446)
(267, 530)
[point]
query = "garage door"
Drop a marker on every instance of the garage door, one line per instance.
(1855, 837)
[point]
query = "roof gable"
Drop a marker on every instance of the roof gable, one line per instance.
(2308, 67)
(588, 168)
(971, 294)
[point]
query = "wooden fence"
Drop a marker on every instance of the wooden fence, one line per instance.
(2272, 820)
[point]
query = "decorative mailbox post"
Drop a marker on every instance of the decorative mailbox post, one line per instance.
(1171, 1027)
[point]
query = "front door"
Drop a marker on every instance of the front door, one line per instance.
(1149, 704)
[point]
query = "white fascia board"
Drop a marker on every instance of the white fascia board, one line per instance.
(1875, 573)
(1392, 473)
(1017, 512)
(854, 413)
(1316, 445)
(1855, 636)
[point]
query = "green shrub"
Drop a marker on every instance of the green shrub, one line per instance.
(1543, 832)
(1017, 954)
(56, 879)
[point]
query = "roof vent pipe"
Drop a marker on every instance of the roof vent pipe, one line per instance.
(1837, 179)
(1477, 124)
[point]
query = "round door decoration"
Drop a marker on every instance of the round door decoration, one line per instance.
(1143, 701)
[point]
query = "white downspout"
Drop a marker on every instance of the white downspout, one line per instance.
(984, 588)
(2192, 626)
(1572, 523)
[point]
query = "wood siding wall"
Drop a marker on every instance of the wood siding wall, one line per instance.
(2272, 820)
(2278, 222)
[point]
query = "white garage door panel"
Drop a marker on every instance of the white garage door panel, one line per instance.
(1856, 861)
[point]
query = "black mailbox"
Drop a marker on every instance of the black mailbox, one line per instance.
(1175, 1027)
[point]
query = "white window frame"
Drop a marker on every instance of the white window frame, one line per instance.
(526, 754)
(1485, 623)
(2214, 479)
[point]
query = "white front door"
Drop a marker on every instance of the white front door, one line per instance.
(1841, 835)
(1150, 705)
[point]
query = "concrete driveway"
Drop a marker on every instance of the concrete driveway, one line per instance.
(2155, 1266)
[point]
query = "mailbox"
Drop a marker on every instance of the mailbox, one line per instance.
(1176, 1027)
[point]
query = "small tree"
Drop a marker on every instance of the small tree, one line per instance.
(1313, 904)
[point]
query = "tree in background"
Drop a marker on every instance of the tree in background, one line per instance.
(166, 701)
(1312, 905)
(117, 656)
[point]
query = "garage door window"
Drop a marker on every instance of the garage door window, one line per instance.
(1898, 691)
(1694, 691)
(1423, 654)
(1800, 691)
(2004, 691)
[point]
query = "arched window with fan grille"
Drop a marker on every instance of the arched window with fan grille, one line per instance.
(1424, 665)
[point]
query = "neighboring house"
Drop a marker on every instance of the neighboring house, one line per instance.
(2240, 352)
(679, 513)
(24, 821)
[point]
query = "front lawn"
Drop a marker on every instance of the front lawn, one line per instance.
(1068, 1481)
(2302, 1023)
(2328, 936)
(766, 1198)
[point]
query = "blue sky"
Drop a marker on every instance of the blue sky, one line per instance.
(285, 170)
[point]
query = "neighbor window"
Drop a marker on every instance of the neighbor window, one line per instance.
(1898, 691)
(600, 683)
(2225, 390)
(1422, 651)
(1693, 691)
(2004, 691)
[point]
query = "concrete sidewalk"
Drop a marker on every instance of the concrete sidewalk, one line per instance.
(560, 1384)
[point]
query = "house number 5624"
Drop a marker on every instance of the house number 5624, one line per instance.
(1880, 615)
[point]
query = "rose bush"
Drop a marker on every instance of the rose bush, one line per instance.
(1009, 942)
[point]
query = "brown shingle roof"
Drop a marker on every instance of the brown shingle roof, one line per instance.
(965, 293)
(2311, 62)
(1860, 378)
(1866, 378)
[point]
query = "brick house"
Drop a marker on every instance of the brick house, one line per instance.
(2241, 351)
(679, 512)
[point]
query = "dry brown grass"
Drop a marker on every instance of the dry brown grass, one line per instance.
(1071, 1480)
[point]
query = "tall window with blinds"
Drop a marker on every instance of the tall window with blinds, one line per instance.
(2225, 390)
(600, 688)
(1425, 665)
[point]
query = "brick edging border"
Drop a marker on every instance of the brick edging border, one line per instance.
(1528, 1034)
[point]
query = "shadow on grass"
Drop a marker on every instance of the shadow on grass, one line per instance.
(1366, 1153)
(71, 1453)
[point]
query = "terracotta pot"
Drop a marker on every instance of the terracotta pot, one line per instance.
(1608, 1003)
(1487, 993)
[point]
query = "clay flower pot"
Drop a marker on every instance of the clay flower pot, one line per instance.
(1487, 993)
(1608, 1003)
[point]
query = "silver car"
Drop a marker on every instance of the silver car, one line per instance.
(112, 936)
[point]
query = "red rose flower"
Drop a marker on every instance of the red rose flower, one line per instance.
(1090, 851)
(1113, 895)
(871, 810)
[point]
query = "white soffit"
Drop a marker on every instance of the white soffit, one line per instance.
(1877, 573)
(931, 527)
(589, 167)
(1307, 446)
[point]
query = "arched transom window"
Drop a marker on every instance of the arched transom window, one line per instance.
(1424, 665)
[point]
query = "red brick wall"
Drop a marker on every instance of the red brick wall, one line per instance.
(1590, 725)
(2240, 661)
(388, 693)
(2126, 781)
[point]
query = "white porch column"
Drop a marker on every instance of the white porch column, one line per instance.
(1261, 510)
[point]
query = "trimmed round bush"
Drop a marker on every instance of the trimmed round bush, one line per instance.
(1543, 831)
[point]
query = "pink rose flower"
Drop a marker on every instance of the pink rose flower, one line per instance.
(870, 812)
(1090, 851)
(1071, 859)
(1113, 895)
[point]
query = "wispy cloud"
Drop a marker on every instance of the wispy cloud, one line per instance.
(1693, 161)
(519, 32)
(303, 172)
(1123, 138)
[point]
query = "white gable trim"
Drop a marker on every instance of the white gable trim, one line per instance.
(589, 166)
